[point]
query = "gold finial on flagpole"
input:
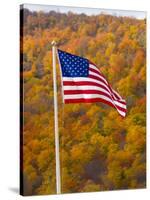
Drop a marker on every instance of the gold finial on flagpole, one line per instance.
(53, 43)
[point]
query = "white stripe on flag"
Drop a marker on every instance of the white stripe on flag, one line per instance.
(119, 104)
(88, 96)
(83, 87)
(92, 80)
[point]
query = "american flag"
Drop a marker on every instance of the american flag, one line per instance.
(82, 82)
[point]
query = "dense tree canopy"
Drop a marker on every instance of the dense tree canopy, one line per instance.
(99, 149)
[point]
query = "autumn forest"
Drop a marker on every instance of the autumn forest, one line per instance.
(99, 149)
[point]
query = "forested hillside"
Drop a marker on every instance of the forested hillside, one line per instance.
(99, 149)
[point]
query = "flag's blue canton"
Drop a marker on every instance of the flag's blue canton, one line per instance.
(73, 66)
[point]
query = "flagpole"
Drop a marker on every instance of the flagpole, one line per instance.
(57, 156)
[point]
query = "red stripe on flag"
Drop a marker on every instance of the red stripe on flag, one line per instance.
(97, 78)
(84, 83)
(118, 97)
(86, 92)
(82, 100)
(97, 72)
(92, 100)
(120, 101)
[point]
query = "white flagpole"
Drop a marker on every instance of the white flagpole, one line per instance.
(57, 156)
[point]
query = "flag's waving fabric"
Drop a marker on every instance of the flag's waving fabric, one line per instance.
(83, 82)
